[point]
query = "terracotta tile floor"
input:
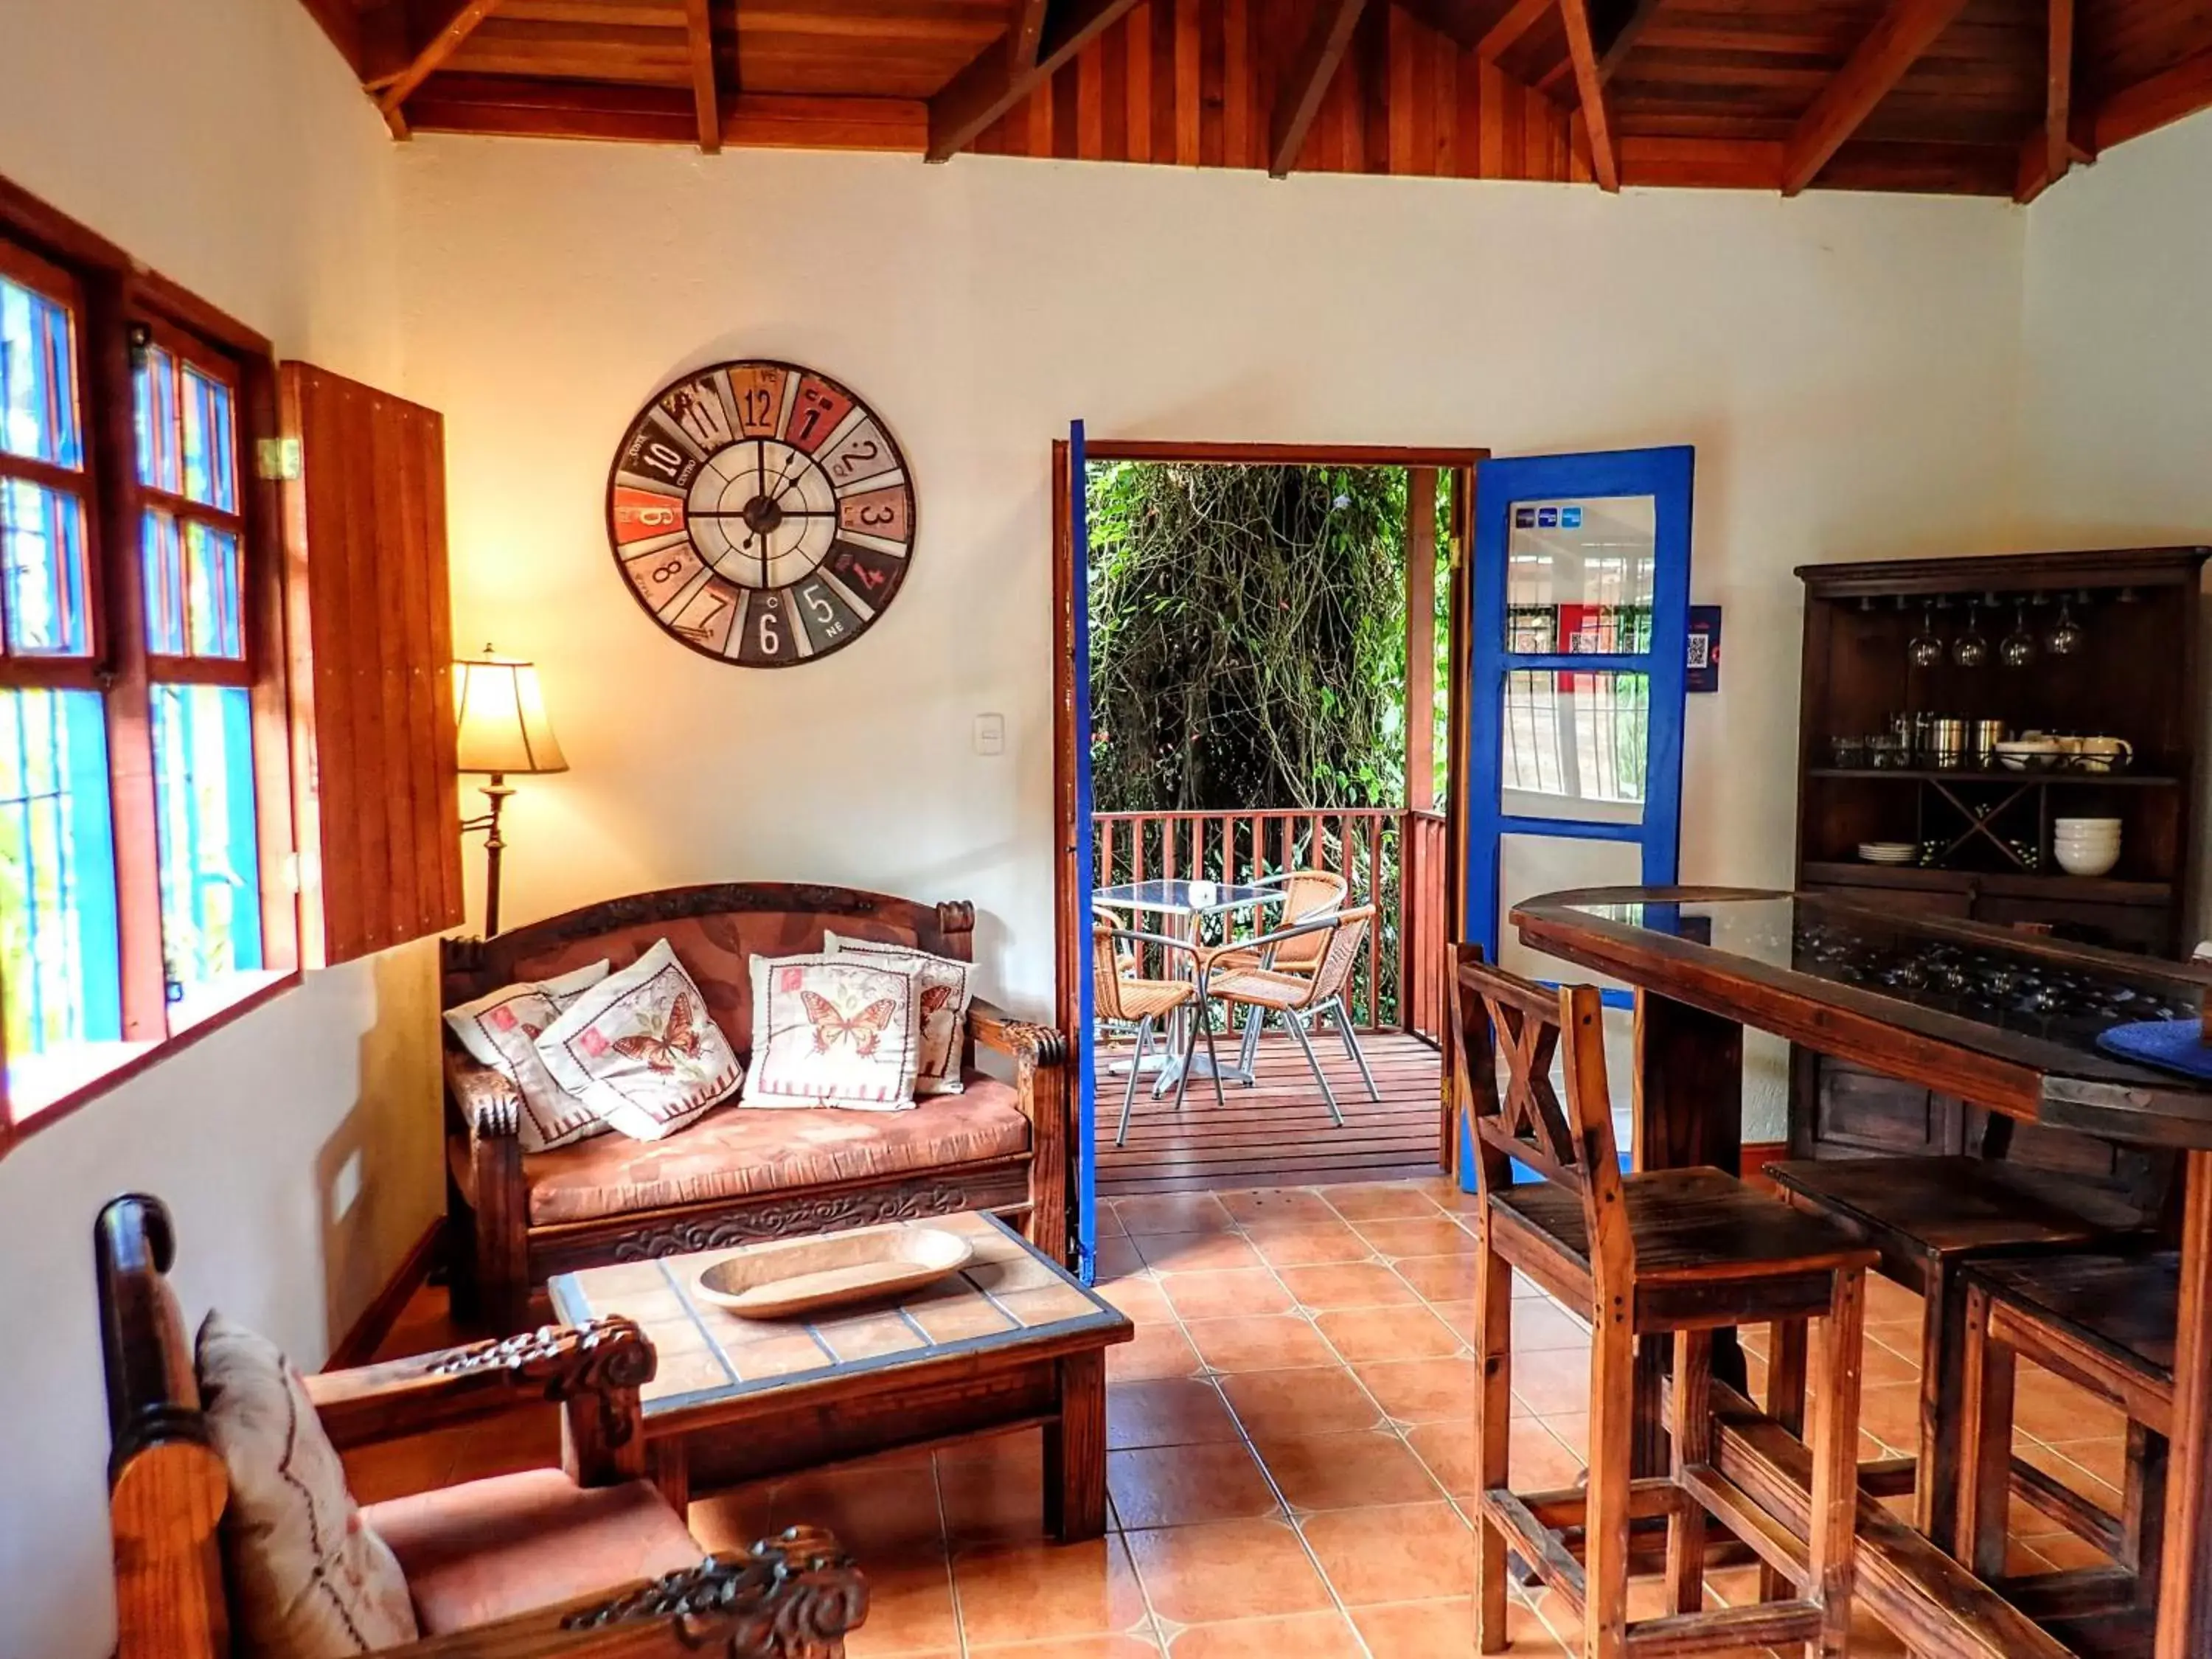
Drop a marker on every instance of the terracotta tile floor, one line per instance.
(1290, 1456)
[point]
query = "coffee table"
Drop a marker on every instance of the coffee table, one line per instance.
(1011, 1341)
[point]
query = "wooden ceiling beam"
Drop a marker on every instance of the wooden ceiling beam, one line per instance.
(1505, 33)
(994, 83)
(1025, 30)
(540, 107)
(2060, 139)
(2058, 90)
(1299, 95)
(699, 25)
(1581, 51)
(1907, 29)
(443, 43)
(1616, 29)
(2157, 101)
(1625, 36)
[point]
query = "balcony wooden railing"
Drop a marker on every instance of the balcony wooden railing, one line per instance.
(1390, 857)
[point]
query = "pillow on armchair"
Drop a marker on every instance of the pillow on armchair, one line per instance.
(942, 985)
(639, 1049)
(502, 1030)
(833, 1031)
(312, 1580)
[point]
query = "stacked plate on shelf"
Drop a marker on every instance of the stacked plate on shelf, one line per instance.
(1889, 852)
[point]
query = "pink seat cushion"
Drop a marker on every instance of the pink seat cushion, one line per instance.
(741, 1152)
(489, 1549)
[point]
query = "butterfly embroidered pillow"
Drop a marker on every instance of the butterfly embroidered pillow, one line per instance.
(502, 1030)
(941, 987)
(639, 1049)
(833, 1031)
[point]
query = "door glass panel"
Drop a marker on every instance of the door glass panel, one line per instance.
(1575, 745)
(1531, 865)
(1579, 574)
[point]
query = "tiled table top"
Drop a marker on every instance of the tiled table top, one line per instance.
(1007, 1297)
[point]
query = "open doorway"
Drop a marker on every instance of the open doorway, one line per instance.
(1263, 659)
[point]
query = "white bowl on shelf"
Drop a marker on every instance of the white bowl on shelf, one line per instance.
(2086, 860)
(2070, 826)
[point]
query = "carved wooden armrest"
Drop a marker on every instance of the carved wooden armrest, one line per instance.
(609, 1358)
(489, 1105)
(795, 1596)
(993, 1027)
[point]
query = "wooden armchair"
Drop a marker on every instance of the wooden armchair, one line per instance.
(501, 1541)
(736, 1176)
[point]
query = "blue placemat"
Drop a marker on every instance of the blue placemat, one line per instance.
(2175, 1045)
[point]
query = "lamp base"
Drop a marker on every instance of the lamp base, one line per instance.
(496, 792)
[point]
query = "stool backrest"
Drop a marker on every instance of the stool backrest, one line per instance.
(1503, 1017)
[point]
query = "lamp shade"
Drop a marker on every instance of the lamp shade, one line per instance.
(501, 716)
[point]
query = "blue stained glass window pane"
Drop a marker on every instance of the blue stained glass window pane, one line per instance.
(42, 561)
(212, 578)
(37, 377)
(165, 585)
(209, 863)
(58, 931)
(159, 463)
(210, 467)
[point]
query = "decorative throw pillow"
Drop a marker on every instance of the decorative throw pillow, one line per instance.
(833, 1031)
(310, 1580)
(502, 1030)
(941, 985)
(640, 1050)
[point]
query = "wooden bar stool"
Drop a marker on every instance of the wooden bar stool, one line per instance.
(1930, 1218)
(2106, 1322)
(1678, 1251)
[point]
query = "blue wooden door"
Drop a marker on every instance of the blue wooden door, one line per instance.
(1579, 636)
(1076, 579)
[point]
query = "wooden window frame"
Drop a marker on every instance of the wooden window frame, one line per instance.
(115, 298)
(18, 264)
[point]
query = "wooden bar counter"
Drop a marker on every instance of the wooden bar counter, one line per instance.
(2001, 1019)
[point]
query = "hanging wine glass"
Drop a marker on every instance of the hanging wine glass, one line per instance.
(2017, 649)
(1925, 650)
(1969, 649)
(2066, 637)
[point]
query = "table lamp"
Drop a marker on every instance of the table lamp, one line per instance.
(500, 715)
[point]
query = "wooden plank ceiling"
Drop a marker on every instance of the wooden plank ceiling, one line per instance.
(1967, 97)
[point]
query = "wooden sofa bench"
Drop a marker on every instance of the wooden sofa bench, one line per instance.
(738, 1175)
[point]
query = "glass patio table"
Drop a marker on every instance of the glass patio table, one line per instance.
(2004, 1020)
(1185, 905)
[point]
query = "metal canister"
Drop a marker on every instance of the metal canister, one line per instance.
(1982, 740)
(1947, 743)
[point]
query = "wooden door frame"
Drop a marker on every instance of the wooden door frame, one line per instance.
(1071, 887)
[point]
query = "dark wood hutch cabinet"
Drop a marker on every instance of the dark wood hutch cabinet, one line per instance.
(2133, 676)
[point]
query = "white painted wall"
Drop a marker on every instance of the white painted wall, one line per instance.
(1844, 364)
(223, 142)
(2115, 373)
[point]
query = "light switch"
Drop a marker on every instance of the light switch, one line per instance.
(990, 735)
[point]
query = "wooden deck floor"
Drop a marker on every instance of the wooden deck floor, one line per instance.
(1276, 1133)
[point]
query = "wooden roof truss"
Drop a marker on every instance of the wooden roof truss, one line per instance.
(1955, 96)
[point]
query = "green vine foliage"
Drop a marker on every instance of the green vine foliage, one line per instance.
(1248, 637)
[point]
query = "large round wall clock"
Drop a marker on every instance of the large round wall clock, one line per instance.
(761, 513)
